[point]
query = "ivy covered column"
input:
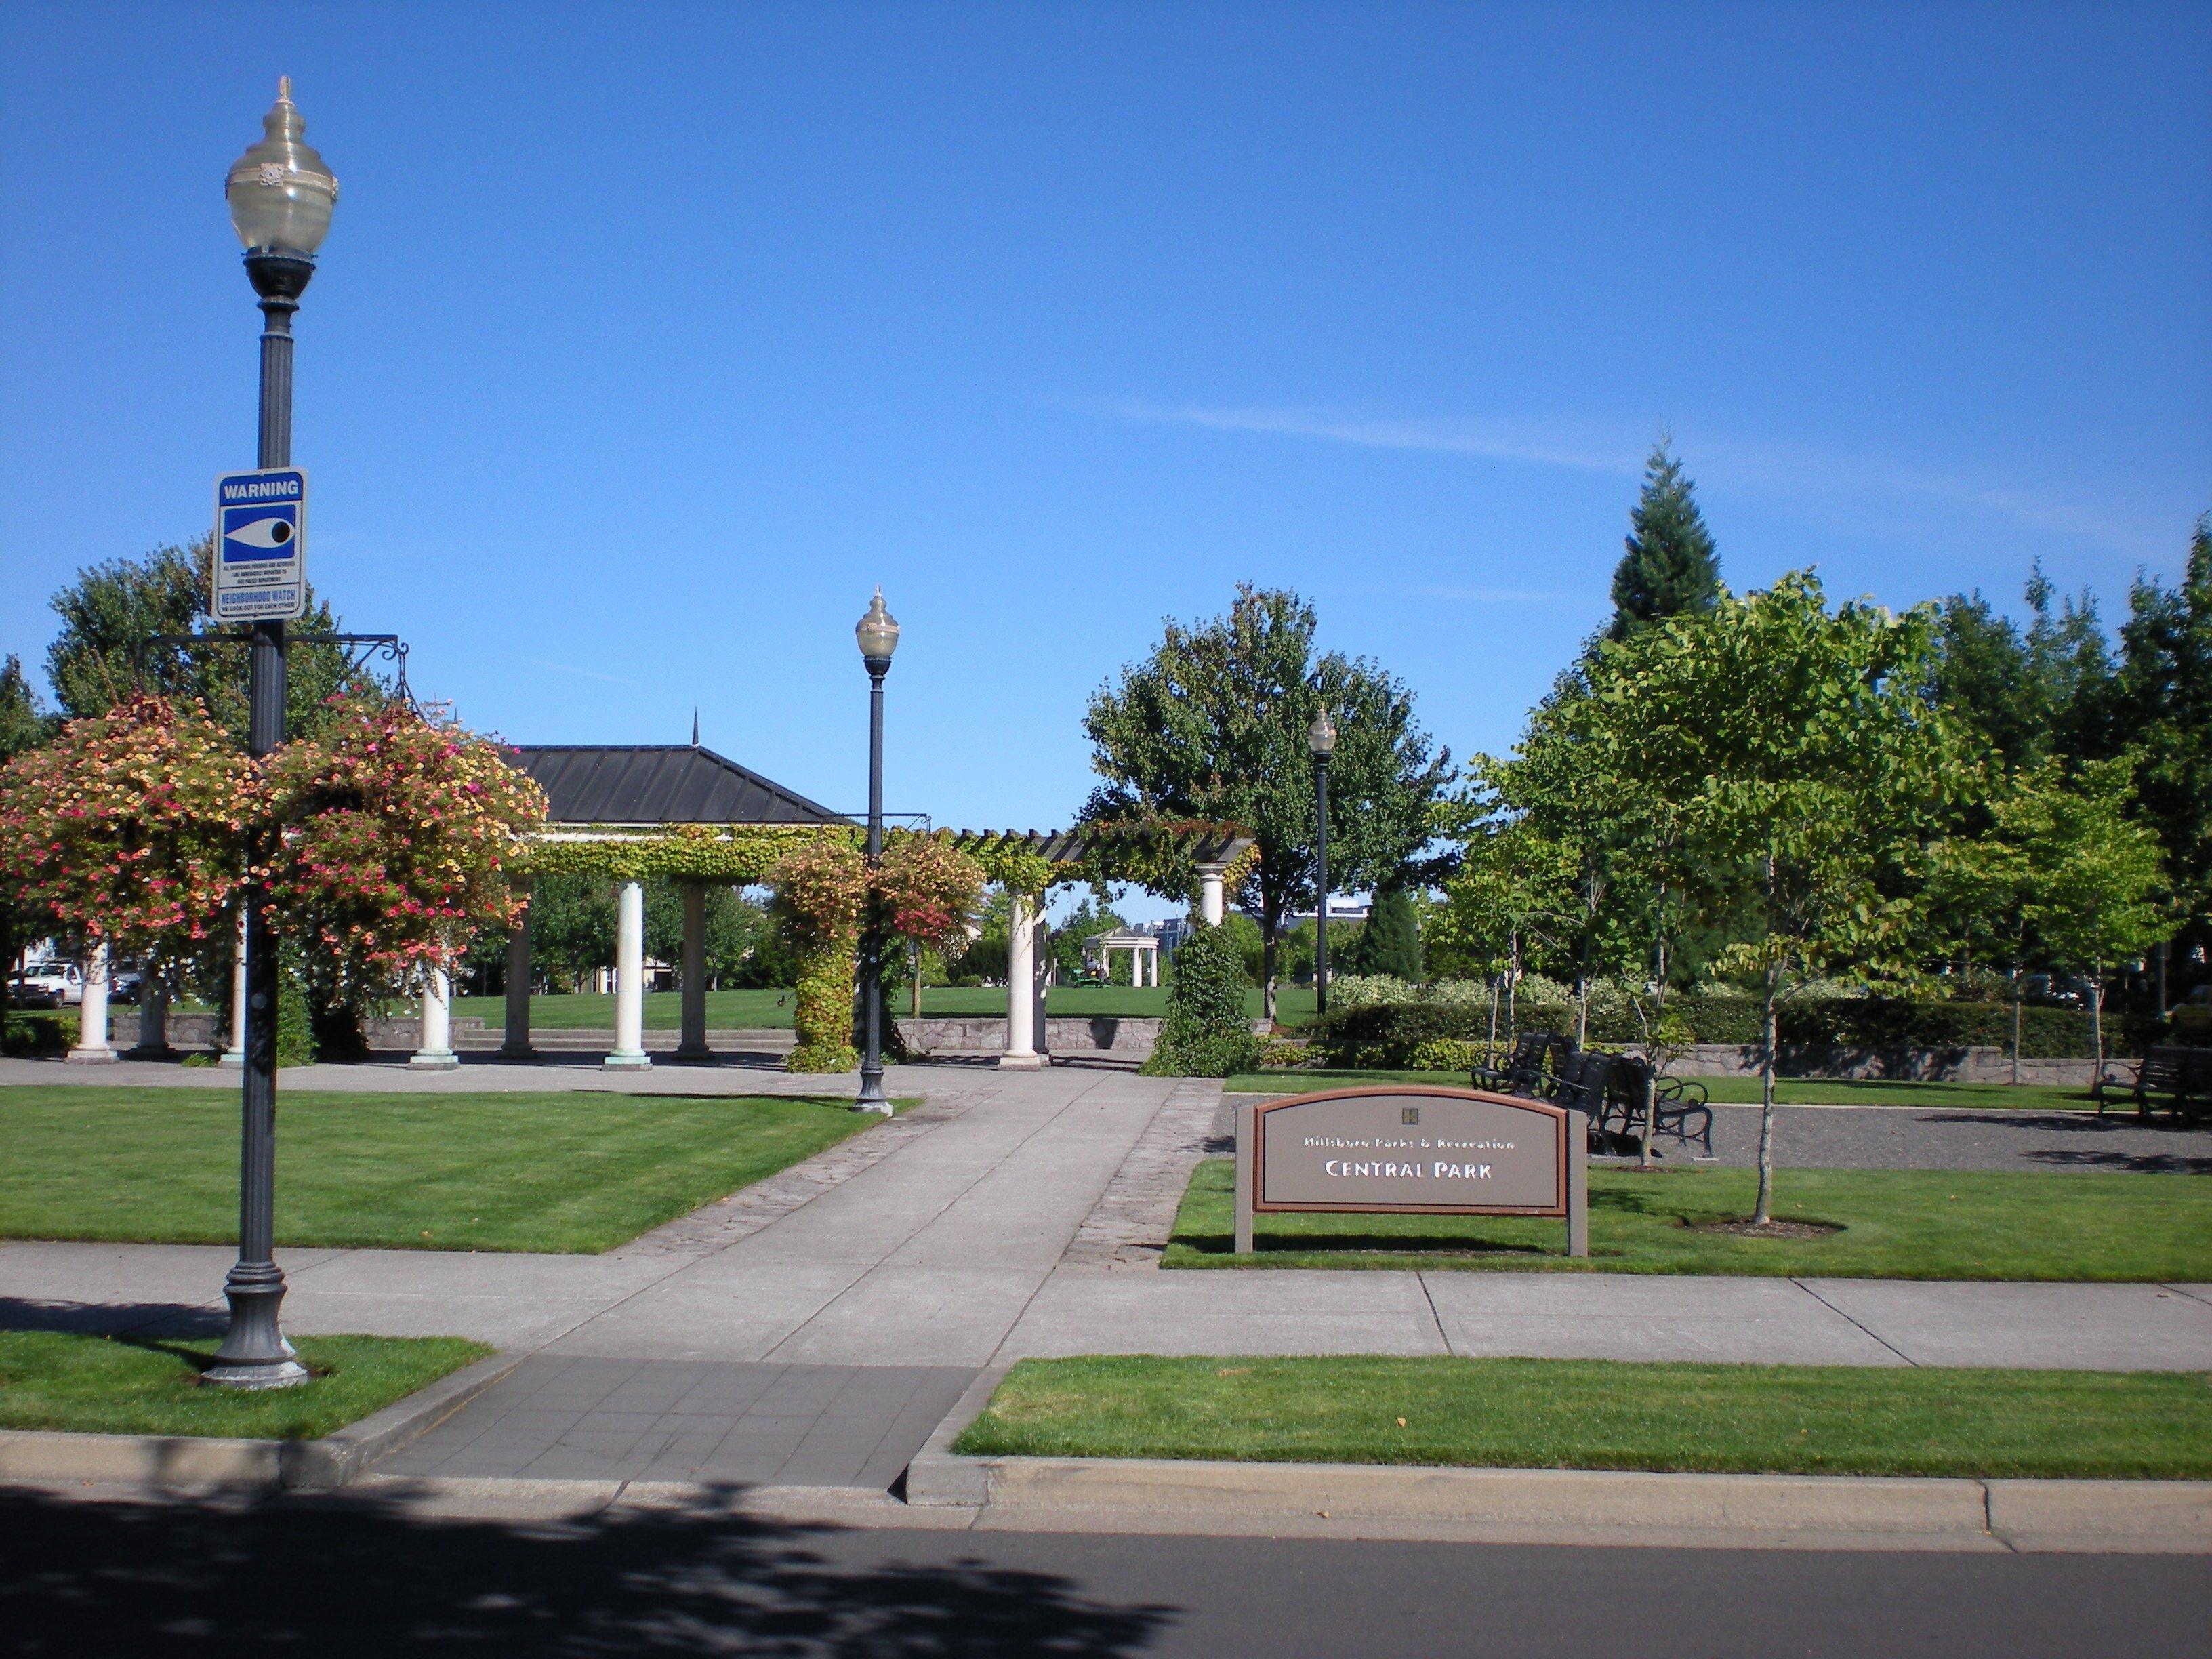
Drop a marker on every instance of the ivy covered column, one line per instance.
(1021, 1054)
(629, 1053)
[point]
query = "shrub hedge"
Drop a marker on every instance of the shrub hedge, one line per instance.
(1387, 1034)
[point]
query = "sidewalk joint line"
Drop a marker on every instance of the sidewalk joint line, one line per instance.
(1804, 1287)
(1442, 1335)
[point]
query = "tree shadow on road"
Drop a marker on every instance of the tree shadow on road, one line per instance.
(362, 1575)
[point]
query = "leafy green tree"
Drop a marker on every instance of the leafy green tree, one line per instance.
(1391, 942)
(2030, 694)
(572, 926)
(2089, 876)
(1802, 769)
(1670, 568)
(2161, 705)
(1092, 916)
(1205, 1033)
(24, 722)
(1212, 725)
(110, 610)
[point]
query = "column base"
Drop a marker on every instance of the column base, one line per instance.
(231, 1057)
(424, 1060)
(92, 1057)
(1021, 1063)
(158, 1051)
(640, 1061)
(517, 1051)
(685, 1051)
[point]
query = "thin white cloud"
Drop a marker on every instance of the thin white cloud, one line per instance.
(1792, 473)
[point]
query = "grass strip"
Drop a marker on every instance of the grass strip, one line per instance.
(1603, 1414)
(1891, 1224)
(577, 1172)
(117, 1385)
(1735, 1090)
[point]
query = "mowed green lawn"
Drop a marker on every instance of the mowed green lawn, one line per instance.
(102, 1385)
(1599, 1414)
(1736, 1091)
(768, 1010)
(1894, 1223)
(576, 1172)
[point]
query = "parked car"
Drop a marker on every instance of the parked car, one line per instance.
(27, 993)
(125, 984)
(64, 979)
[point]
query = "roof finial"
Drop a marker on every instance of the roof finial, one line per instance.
(284, 89)
(695, 726)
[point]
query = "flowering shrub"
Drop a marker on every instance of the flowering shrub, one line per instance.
(132, 827)
(398, 844)
(820, 890)
(927, 888)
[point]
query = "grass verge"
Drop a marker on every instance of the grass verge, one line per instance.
(573, 1173)
(103, 1385)
(1892, 1224)
(1732, 1091)
(1603, 1414)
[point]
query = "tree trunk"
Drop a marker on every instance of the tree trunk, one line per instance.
(2015, 1028)
(1268, 969)
(1490, 1048)
(1513, 992)
(1582, 1013)
(2097, 1018)
(1763, 1209)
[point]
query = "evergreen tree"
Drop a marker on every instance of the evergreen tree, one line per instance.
(1391, 942)
(1670, 567)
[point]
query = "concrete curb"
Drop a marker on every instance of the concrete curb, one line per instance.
(186, 1461)
(1553, 1505)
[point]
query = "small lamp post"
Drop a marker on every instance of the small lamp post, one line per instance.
(878, 633)
(281, 196)
(1321, 738)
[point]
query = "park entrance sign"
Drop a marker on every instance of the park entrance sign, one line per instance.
(260, 546)
(1393, 1150)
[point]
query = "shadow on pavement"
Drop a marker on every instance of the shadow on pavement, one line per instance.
(111, 1318)
(365, 1576)
(2132, 1163)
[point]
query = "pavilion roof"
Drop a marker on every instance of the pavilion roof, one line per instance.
(657, 784)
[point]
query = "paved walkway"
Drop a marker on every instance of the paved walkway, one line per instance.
(808, 1326)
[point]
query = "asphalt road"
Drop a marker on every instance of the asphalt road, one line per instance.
(351, 1577)
(1903, 1138)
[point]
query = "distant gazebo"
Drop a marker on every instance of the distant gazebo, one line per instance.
(1143, 950)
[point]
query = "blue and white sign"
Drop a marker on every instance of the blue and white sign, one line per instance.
(260, 546)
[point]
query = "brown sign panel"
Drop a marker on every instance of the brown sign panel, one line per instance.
(1411, 1151)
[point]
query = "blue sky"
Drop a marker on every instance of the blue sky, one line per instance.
(650, 338)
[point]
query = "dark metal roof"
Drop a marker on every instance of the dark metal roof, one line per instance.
(651, 783)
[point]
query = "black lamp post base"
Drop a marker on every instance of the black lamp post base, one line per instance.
(254, 1353)
(871, 1097)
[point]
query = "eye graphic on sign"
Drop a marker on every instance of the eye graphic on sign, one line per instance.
(263, 532)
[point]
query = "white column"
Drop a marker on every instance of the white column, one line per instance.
(629, 982)
(235, 1054)
(434, 1041)
(1021, 1054)
(1209, 894)
(694, 970)
(93, 1047)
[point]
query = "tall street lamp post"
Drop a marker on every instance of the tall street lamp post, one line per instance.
(281, 196)
(1321, 738)
(879, 636)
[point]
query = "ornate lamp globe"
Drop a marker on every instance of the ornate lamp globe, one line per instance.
(1320, 736)
(878, 633)
(281, 194)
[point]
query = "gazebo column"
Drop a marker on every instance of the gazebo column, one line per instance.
(1021, 1054)
(93, 1047)
(1209, 894)
(153, 1020)
(629, 1053)
(1040, 978)
(434, 1041)
(515, 1043)
(694, 1043)
(235, 1054)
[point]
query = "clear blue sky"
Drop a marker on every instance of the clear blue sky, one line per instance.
(649, 337)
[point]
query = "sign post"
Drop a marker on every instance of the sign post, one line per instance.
(1405, 1150)
(260, 546)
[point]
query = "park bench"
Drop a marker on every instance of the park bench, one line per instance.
(1524, 1071)
(2178, 1078)
(1678, 1104)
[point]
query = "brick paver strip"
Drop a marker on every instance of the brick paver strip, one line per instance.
(1128, 1227)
